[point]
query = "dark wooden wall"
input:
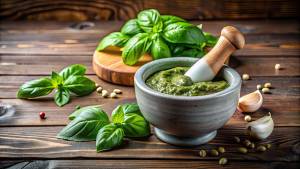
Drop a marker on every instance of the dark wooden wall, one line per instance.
(81, 10)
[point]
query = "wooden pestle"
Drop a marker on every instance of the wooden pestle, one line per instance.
(206, 68)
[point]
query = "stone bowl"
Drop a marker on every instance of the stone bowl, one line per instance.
(186, 120)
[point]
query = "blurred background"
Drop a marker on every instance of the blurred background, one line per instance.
(91, 10)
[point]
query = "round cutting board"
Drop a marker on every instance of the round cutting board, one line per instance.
(108, 65)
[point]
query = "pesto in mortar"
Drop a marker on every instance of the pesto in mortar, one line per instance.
(173, 82)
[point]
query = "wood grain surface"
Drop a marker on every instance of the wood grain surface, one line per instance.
(65, 10)
(29, 50)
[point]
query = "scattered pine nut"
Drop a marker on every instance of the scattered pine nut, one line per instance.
(267, 85)
(277, 66)
(246, 77)
(223, 161)
(237, 139)
(117, 91)
(247, 118)
(104, 93)
(113, 95)
(265, 90)
(258, 87)
(202, 153)
(99, 89)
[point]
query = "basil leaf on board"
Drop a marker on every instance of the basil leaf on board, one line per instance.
(109, 137)
(169, 19)
(131, 27)
(135, 125)
(159, 49)
(77, 112)
(75, 69)
(80, 85)
(119, 112)
(36, 88)
(182, 32)
(62, 96)
(85, 126)
(131, 119)
(210, 39)
(56, 79)
(147, 19)
(135, 48)
(114, 39)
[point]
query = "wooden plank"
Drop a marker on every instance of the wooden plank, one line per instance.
(122, 10)
(246, 26)
(40, 142)
(132, 164)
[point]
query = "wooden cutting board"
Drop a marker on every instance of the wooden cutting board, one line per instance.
(108, 65)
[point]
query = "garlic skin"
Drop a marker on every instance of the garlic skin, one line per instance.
(250, 102)
(261, 128)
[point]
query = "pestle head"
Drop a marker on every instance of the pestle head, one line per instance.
(234, 36)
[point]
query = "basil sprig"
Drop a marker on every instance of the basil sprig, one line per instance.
(158, 35)
(70, 80)
(92, 123)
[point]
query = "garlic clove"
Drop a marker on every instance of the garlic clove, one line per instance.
(250, 102)
(261, 128)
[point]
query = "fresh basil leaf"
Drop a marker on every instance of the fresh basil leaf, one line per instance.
(135, 125)
(109, 137)
(147, 19)
(119, 112)
(80, 85)
(85, 126)
(188, 52)
(36, 88)
(62, 96)
(75, 69)
(56, 79)
(159, 49)
(182, 32)
(114, 39)
(78, 111)
(210, 39)
(131, 27)
(135, 48)
(169, 19)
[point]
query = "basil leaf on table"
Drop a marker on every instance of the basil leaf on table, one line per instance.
(147, 19)
(114, 39)
(182, 32)
(135, 48)
(79, 111)
(75, 69)
(62, 96)
(131, 120)
(169, 19)
(56, 79)
(36, 88)
(80, 85)
(85, 126)
(131, 27)
(159, 49)
(108, 137)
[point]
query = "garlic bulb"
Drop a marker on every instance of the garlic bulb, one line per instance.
(250, 102)
(261, 128)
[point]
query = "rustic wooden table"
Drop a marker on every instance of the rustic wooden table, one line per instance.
(29, 50)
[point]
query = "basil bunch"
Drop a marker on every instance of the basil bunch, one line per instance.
(92, 123)
(70, 80)
(160, 35)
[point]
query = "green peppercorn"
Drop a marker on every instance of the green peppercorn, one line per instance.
(268, 146)
(237, 139)
(214, 152)
(252, 146)
(221, 149)
(223, 161)
(202, 153)
(242, 150)
(247, 143)
(261, 148)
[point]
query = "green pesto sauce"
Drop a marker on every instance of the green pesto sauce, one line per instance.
(173, 82)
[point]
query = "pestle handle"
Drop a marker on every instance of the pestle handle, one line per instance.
(206, 68)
